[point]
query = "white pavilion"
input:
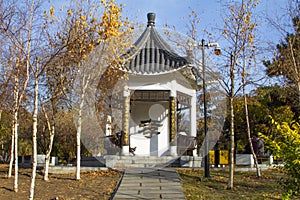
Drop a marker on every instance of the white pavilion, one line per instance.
(159, 99)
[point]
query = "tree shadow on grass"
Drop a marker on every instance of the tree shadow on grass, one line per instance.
(8, 189)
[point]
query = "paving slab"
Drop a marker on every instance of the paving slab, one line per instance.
(172, 196)
(149, 183)
(161, 192)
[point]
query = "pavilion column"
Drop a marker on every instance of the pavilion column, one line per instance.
(193, 127)
(172, 124)
(126, 118)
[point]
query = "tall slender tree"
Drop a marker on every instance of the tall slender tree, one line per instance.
(238, 32)
(87, 27)
(39, 64)
(14, 30)
(244, 75)
(34, 129)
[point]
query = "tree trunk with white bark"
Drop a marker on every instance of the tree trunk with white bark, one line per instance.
(85, 83)
(78, 144)
(51, 129)
(34, 132)
(231, 153)
(12, 149)
(247, 118)
(16, 151)
(15, 130)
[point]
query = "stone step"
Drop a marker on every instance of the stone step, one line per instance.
(151, 161)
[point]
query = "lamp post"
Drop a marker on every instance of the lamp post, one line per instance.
(217, 51)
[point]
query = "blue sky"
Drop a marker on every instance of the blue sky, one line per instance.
(211, 13)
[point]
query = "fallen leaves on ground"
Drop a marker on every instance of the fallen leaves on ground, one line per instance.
(92, 185)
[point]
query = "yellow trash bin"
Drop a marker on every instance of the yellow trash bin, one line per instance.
(211, 157)
(224, 157)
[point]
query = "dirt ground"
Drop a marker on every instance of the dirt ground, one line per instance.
(93, 185)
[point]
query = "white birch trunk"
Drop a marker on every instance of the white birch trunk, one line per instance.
(78, 136)
(51, 129)
(78, 142)
(16, 151)
(48, 153)
(12, 148)
(258, 172)
(247, 118)
(34, 133)
(231, 153)
(15, 132)
(35, 109)
(17, 101)
(85, 82)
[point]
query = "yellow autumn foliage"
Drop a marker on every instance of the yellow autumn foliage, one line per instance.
(87, 30)
(284, 143)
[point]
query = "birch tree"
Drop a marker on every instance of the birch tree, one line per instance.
(14, 28)
(84, 31)
(19, 31)
(58, 80)
(34, 129)
(40, 64)
(244, 74)
(238, 31)
(50, 120)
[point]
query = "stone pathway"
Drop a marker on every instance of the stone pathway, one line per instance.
(149, 183)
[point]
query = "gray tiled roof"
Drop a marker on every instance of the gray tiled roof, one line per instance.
(151, 54)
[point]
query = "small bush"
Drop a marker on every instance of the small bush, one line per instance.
(284, 143)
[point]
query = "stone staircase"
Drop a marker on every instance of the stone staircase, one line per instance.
(121, 162)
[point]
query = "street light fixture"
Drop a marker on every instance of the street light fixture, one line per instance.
(217, 51)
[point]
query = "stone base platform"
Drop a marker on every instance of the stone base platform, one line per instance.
(152, 161)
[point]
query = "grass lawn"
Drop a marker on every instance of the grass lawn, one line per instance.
(246, 185)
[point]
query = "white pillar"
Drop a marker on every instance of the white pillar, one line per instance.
(193, 125)
(271, 159)
(125, 150)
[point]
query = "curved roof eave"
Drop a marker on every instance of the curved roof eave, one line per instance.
(151, 54)
(155, 74)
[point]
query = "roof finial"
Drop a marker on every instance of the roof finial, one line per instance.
(151, 19)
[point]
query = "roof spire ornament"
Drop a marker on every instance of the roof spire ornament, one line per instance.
(151, 19)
